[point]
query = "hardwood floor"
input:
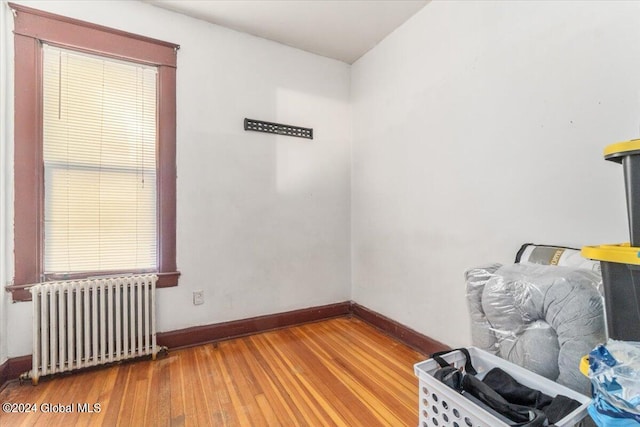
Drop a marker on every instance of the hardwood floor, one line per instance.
(338, 372)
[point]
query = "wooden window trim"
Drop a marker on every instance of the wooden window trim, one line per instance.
(32, 27)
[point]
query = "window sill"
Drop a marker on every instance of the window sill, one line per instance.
(167, 280)
(20, 293)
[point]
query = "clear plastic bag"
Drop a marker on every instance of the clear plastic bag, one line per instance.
(614, 370)
(541, 317)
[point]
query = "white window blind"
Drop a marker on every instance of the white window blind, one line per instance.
(99, 150)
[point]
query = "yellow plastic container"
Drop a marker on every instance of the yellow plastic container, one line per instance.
(616, 152)
(621, 253)
(627, 153)
(621, 283)
(621, 262)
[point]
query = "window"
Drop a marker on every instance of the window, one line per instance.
(95, 177)
(99, 139)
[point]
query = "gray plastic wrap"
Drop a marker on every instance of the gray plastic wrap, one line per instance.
(544, 318)
(481, 331)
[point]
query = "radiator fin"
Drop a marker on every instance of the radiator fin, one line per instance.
(83, 323)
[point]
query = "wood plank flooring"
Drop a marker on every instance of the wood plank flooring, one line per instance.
(338, 372)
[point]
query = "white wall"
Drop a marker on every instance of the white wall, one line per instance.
(5, 23)
(263, 220)
(479, 126)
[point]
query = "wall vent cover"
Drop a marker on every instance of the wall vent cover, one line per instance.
(278, 128)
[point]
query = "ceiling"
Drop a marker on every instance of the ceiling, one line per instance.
(340, 29)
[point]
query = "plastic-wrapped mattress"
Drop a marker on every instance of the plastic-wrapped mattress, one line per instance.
(541, 317)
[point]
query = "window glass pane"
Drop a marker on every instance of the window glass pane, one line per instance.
(99, 148)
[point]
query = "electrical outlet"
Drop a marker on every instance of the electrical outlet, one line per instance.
(198, 297)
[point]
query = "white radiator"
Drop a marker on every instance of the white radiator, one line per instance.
(83, 323)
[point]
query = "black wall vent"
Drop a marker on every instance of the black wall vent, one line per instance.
(277, 128)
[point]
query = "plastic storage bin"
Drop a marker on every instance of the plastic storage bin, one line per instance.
(440, 405)
(620, 263)
(628, 154)
(621, 283)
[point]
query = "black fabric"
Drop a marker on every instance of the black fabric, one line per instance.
(560, 407)
(513, 391)
(555, 408)
(499, 391)
(466, 382)
(522, 415)
(450, 376)
(468, 367)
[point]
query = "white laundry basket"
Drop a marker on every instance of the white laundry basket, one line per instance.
(440, 405)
